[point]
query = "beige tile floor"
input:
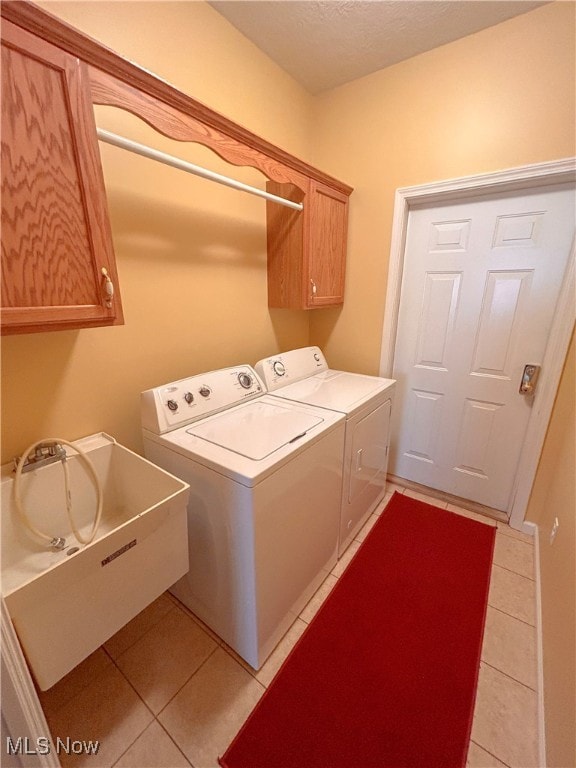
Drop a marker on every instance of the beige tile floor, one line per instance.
(165, 692)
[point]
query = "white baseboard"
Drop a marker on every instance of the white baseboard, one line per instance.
(539, 654)
(529, 528)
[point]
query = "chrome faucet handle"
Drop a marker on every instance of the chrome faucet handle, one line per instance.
(44, 454)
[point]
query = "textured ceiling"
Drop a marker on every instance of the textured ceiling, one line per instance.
(325, 44)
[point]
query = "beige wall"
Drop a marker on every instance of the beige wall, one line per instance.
(554, 496)
(191, 254)
(500, 98)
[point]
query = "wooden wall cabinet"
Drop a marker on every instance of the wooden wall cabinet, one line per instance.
(56, 238)
(307, 249)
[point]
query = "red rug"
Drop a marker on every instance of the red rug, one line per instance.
(385, 675)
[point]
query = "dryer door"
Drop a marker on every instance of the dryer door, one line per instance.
(369, 456)
(365, 470)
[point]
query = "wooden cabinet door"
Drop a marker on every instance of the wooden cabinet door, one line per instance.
(285, 229)
(307, 249)
(328, 229)
(56, 237)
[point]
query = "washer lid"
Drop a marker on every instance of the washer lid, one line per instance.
(337, 390)
(255, 430)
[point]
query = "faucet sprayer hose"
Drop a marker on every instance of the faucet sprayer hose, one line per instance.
(91, 471)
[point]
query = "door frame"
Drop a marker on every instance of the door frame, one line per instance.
(520, 179)
(22, 711)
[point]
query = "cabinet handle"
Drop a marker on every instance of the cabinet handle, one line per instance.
(108, 288)
(313, 287)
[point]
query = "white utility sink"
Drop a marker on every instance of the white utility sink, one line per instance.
(65, 604)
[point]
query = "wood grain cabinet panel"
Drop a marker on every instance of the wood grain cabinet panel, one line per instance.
(307, 249)
(56, 238)
(327, 245)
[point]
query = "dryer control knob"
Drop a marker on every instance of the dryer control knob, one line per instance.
(172, 404)
(204, 390)
(316, 357)
(245, 380)
(189, 397)
(278, 368)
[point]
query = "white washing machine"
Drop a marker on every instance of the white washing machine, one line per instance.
(264, 508)
(302, 375)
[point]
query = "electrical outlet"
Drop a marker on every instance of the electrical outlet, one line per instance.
(554, 530)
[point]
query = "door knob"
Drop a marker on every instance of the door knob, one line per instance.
(529, 379)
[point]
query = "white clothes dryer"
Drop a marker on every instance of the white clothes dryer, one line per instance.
(263, 514)
(303, 375)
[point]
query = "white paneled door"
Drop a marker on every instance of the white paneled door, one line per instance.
(480, 283)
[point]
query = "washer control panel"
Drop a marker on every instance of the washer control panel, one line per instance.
(288, 367)
(182, 402)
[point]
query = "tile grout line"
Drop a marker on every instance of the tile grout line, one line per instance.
(522, 621)
(173, 741)
(517, 540)
(522, 576)
(512, 616)
(490, 753)
(140, 699)
(185, 683)
(505, 530)
(155, 716)
(137, 640)
(510, 677)
(113, 660)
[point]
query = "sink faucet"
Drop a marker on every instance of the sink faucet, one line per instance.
(44, 454)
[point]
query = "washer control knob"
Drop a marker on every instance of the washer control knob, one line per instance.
(245, 380)
(316, 357)
(278, 368)
(172, 404)
(205, 391)
(189, 397)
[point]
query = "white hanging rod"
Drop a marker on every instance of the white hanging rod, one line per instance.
(183, 165)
